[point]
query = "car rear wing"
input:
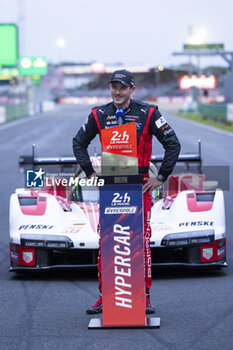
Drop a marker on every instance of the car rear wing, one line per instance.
(33, 162)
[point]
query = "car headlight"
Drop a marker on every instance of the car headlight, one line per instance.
(188, 238)
(45, 241)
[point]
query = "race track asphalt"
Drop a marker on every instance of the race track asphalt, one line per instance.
(48, 311)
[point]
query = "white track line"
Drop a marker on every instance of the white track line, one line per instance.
(11, 124)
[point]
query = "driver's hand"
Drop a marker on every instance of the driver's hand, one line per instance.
(151, 184)
(94, 175)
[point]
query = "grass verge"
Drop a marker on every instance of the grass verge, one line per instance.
(197, 117)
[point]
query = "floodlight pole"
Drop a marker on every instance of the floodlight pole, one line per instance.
(21, 24)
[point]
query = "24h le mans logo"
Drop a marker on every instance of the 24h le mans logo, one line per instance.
(35, 178)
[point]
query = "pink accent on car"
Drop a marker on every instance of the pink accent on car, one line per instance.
(195, 206)
(38, 209)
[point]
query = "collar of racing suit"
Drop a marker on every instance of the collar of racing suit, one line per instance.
(126, 110)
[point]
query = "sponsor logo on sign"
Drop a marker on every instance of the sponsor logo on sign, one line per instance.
(27, 257)
(120, 205)
(221, 251)
(35, 178)
(207, 253)
(160, 122)
(127, 210)
(119, 137)
(121, 140)
(119, 199)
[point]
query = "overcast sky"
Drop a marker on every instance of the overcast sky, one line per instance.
(127, 31)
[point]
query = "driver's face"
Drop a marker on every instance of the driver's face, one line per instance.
(121, 94)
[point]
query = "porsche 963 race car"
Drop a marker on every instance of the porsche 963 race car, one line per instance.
(53, 228)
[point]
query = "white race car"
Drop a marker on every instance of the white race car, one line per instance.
(53, 228)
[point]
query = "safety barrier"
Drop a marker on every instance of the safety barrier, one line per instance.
(11, 112)
(220, 112)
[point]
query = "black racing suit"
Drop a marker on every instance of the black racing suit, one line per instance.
(149, 122)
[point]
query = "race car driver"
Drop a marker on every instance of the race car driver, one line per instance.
(149, 122)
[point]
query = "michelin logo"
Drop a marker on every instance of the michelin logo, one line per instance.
(35, 178)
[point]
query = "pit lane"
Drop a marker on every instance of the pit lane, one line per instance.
(48, 311)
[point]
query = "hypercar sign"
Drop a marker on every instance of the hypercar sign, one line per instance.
(122, 256)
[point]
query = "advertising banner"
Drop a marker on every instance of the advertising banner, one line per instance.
(122, 255)
(8, 45)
